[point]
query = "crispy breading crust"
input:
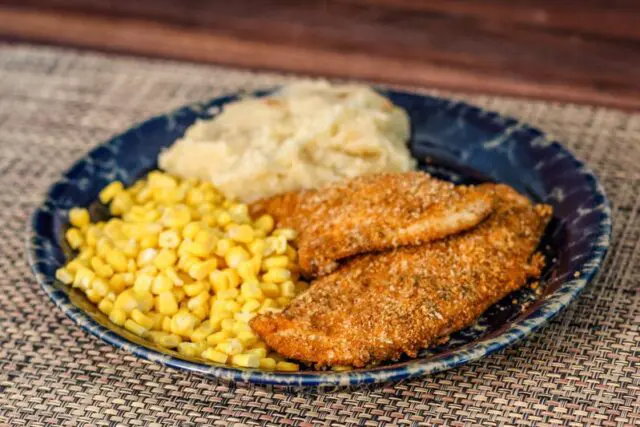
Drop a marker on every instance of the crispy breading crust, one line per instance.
(378, 306)
(374, 213)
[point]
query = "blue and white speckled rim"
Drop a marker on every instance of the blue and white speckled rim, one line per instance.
(44, 253)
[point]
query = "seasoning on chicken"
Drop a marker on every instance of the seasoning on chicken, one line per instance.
(377, 307)
(374, 213)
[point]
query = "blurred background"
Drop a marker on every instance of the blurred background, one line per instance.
(584, 51)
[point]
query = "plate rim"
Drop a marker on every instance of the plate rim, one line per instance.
(588, 270)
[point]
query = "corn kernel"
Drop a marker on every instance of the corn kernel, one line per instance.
(270, 290)
(179, 294)
(291, 254)
(74, 238)
(64, 275)
(93, 296)
(195, 288)
(230, 347)
(246, 270)
(101, 268)
(105, 306)
(165, 258)
(149, 241)
(79, 217)
(288, 289)
(218, 337)
(92, 235)
(258, 351)
(200, 300)
(265, 223)
(300, 287)
(118, 316)
(143, 283)
(121, 204)
(267, 363)
(216, 318)
(110, 191)
(275, 245)
(167, 340)
(100, 286)
(235, 256)
(131, 248)
(269, 306)
(183, 323)
(190, 230)
(231, 305)
(202, 269)
(241, 233)
(257, 247)
(142, 319)
(244, 317)
(161, 283)
(224, 218)
(227, 325)
(169, 239)
(251, 290)
(287, 366)
(117, 260)
(132, 267)
(227, 294)
(283, 301)
(287, 233)
(176, 216)
(246, 360)
(219, 280)
(166, 303)
(145, 301)
(247, 338)
(250, 306)
(83, 278)
(279, 261)
(214, 355)
(223, 246)
(202, 332)
(103, 247)
(190, 349)
(74, 266)
(158, 320)
(277, 275)
(166, 324)
(233, 277)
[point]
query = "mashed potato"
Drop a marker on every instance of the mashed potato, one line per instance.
(303, 136)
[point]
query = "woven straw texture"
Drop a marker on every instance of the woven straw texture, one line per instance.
(582, 369)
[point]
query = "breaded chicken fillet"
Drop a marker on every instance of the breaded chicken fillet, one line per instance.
(377, 307)
(374, 213)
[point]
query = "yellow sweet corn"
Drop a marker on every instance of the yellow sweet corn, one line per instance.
(74, 238)
(118, 316)
(110, 191)
(246, 360)
(178, 262)
(79, 217)
(267, 363)
(215, 356)
(287, 366)
(64, 275)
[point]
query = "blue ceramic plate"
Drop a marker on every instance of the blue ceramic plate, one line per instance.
(450, 139)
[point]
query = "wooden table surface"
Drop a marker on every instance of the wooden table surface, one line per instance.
(584, 51)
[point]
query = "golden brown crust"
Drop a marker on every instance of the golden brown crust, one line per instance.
(374, 213)
(379, 306)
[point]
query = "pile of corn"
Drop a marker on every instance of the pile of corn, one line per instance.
(182, 266)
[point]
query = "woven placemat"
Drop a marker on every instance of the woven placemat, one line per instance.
(582, 369)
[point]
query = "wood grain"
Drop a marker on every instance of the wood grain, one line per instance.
(582, 51)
